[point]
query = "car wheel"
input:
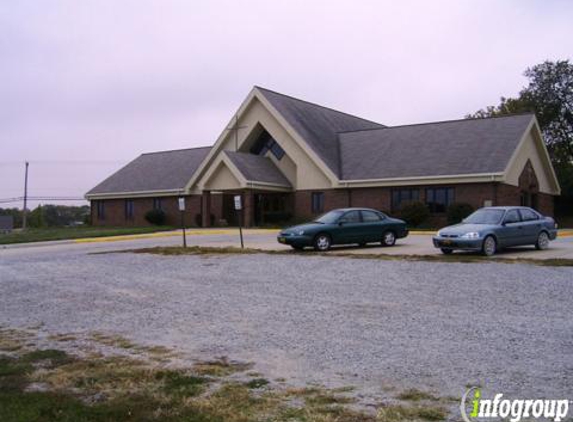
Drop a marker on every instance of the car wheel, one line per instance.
(322, 242)
(388, 238)
(297, 248)
(542, 241)
(446, 251)
(489, 246)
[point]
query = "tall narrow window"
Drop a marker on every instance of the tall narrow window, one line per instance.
(129, 209)
(100, 208)
(157, 205)
(317, 202)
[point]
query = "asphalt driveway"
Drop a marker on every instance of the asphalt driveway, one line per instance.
(414, 244)
(382, 326)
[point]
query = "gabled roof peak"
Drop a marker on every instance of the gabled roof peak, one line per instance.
(314, 104)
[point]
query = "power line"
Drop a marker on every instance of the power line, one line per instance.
(42, 198)
(67, 162)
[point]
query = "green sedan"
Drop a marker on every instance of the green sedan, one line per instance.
(344, 227)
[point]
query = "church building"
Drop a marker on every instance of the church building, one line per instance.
(291, 160)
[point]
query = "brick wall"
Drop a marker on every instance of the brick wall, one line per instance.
(115, 211)
(474, 194)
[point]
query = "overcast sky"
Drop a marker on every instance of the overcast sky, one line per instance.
(86, 86)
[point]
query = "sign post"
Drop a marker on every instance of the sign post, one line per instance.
(181, 201)
(239, 208)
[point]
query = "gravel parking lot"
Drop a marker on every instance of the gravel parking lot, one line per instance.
(379, 325)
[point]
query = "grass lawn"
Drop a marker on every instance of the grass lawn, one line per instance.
(42, 385)
(457, 258)
(61, 233)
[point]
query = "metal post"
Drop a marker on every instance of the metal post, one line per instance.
(24, 212)
(236, 133)
(235, 128)
(183, 228)
(241, 228)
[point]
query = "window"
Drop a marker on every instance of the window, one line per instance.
(438, 199)
(129, 209)
(401, 197)
(512, 216)
(100, 210)
(317, 202)
(277, 151)
(528, 215)
(157, 205)
(350, 217)
(370, 217)
(266, 143)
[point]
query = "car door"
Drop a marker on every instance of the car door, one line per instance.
(531, 226)
(349, 228)
(372, 227)
(511, 231)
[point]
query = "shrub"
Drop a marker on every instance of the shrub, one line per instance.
(155, 217)
(415, 214)
(277, 217)
(458, 211)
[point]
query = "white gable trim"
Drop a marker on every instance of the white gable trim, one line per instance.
(534, 130)
(243, 182)
(295, 135)
(217, 147)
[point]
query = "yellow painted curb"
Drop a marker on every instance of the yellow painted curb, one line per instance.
(565, 233)
(190, 232)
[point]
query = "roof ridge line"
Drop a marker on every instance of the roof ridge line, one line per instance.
(503, 116)
(318, 105)
(174, 150)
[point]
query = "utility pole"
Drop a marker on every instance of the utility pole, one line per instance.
(235, 128)
(25, 211)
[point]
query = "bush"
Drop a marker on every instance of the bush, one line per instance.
(415, 214)
(277, 217)
(458, 211)
(155, 217)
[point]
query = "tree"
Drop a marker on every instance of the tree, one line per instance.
(549, 95)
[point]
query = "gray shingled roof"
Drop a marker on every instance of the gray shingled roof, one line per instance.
(256, 168)
(317, 125)
(166, 170)
(433, 149)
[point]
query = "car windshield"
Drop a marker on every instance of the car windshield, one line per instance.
(485, 217)
(329, 218)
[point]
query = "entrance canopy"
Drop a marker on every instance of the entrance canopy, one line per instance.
(239, 170)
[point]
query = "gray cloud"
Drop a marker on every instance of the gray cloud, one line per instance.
(107, 80)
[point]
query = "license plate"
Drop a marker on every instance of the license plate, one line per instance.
(282, 240)
(446, 242)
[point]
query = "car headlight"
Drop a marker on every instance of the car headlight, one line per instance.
(471, 235)
(299, 232)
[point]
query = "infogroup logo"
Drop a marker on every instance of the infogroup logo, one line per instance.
(474, 407)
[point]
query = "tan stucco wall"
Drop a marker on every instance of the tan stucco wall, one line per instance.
(296, 165)
(530, 150)
(222, 179)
